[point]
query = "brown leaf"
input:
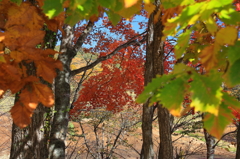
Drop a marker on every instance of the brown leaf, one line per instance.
(29, 98)
(21, 115)
(44, 94)
(46, 71)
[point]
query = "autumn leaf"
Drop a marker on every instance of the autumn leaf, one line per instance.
(2, 36)
(149, 8)
(44, 94)
(18, 56)
(129, 3)
(216, 125)
(46, 71)
(29, 98)
(227, 35)
(21, 115)
(208, 57)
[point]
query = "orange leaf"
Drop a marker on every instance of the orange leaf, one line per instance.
(18, 56)
(2, 36)
(44, 94)
(46, 71)
(129, 3)
(21, 115)
(29, 98)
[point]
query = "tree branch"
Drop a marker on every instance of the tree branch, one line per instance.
(103, 58)
(83, 36)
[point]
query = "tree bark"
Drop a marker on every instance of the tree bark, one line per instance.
(62, 98)
(147, 116)
(30, 143)
(210, 141)
(164, 121)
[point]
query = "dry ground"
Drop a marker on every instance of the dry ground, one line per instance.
(192, 144)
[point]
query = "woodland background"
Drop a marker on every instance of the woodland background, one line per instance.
(120, 78)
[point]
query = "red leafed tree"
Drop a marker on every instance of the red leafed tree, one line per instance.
(116, 86)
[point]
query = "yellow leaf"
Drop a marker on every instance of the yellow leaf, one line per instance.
(149, 7)
(129, 3)
(208, 57)
(227, 35)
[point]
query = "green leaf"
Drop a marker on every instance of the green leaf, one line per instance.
(52, 8)
(211, 25)
(107, 3)
(206, 92)
(234, 72)
(172, 94)
(182, 43)
(173, 3)
(152, 87)
(113, 17)
(233, 52)
(229, 16)
(180, 68)
(231, 101)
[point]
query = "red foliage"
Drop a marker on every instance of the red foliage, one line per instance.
(236, 114)
(111, 88)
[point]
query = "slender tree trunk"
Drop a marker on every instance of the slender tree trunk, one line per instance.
(62, 98)
(210, 141)
(147, 146)
(62, 91)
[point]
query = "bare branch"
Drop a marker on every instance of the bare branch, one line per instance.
(223, 137)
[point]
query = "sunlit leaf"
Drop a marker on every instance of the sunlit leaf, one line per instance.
(208, 98)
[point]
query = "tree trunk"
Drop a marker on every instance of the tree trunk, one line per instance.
(210, 141)
(164, 121)
(147, 146)
(62, 91)
(62, 98)
(30, 143)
